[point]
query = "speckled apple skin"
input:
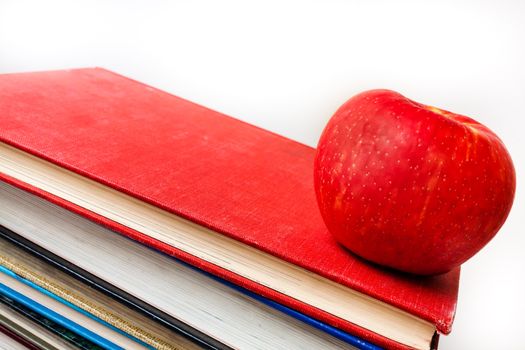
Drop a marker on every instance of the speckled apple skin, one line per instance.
(410, 186)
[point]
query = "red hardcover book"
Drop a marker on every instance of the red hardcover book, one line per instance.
(237, 182)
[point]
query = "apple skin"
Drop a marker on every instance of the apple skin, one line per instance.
(410, 186)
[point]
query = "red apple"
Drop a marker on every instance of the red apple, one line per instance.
(410, 186)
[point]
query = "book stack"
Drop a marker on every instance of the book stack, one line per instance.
(131, 218)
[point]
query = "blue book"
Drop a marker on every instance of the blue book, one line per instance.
(55, 317)
(28, 332)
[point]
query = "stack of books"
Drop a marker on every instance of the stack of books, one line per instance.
(134, 219)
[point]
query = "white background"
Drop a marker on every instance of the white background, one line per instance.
(288, 65)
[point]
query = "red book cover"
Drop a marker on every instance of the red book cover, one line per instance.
(232, 177)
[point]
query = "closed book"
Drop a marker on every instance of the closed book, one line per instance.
(170, 292)
(220, 194)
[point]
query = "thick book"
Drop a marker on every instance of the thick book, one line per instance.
(172, 292)
(49, 265)
(220, 194)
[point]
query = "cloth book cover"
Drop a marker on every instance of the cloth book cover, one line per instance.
(232, 177)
